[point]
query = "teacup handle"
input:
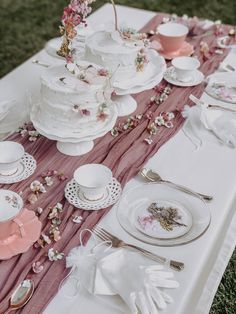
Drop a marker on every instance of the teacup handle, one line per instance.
(21, 227)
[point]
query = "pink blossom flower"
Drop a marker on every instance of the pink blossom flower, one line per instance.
(37, 267)
(48, 173)
(102, 116)
(149, 115)
(103, 72)
(32, 198)
(62, 177)
(69, 59)
(146, 221)
(85, 112)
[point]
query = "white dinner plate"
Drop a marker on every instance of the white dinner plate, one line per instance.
(194, 210)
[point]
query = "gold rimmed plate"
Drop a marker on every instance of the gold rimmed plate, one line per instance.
(193, 214)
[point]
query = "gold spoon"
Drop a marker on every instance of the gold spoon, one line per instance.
(154, 177)
(21, 295)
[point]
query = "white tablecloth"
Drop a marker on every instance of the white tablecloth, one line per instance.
(211, 170)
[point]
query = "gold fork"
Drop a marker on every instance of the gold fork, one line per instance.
(118, 243)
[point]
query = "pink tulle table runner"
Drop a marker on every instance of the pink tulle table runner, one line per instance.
(124, 155)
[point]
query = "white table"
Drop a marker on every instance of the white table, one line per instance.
(211, 170)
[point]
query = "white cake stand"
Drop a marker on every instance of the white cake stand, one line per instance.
(149, 78)
(75, 149)
(75, 144)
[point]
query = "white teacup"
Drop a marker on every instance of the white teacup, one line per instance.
(10, 156)
(93, 180)
(11, 207)
(185, 68)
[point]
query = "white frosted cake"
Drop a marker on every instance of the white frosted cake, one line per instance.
(122, 52)
(74, 99)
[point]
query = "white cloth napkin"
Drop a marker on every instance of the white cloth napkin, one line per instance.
(205, 124)
(5, 107)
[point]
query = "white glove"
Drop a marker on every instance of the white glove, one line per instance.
(140, 287)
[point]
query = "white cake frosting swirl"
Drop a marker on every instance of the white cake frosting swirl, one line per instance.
(116, 50)
(73, 101)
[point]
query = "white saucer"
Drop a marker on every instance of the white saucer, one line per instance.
(75, 197)
(25, 169)
(170, 77)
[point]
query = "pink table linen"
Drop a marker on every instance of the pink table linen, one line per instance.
(124, 155)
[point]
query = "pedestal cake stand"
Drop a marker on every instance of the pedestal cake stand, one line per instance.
(74, 143)
(149, 78)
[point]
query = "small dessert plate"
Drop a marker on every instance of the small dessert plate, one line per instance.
(185, 51)
(26, 168)
(163, 220)
(170, 77)
(75, 196)
(15, 243)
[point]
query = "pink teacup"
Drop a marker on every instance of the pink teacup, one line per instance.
(172, 36)
(11, 205)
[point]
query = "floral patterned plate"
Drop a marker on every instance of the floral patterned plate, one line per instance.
(11, 204)
(222, 86)
(163, 219)
(132, 208)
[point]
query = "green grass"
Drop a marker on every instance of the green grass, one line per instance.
(25, 26)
